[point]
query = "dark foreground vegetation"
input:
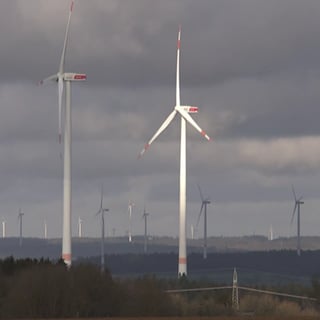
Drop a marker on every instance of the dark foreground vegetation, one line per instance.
(43, 289)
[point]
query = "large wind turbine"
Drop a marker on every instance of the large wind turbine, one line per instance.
(204, 203)
(62, 78)
(102, 211)
(145, 216)
(20, 215)
(183, 111)
(297, 203)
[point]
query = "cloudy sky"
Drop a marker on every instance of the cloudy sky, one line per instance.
(251, 66)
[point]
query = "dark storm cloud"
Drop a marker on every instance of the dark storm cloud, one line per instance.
(133, 43)
(251, 66)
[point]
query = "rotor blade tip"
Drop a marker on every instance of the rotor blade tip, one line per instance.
(205, 135)
(144, 150)
(71, 6)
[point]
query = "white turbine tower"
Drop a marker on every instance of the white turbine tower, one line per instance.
(183, 111)
(3, 228)
(130, 210)
(204, 203)
(297, 203)
(63, 77)
(102, 211)
(79, 227)
(145, 217)
(192, 231)
(45, 229)
(20, 215)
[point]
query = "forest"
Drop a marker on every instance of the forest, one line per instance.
(40, 288)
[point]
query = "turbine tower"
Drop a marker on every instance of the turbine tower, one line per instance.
(297, 203)
(145, 216)
(66, 78)
(102, 211)
(45, 229)
(3, 228)
(183, 111)
(130, 210)
(204, 203)
(79, 227)
(192, 231)
(20, 215)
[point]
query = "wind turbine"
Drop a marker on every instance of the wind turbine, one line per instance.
(145, 216)
(192, 231)
(79, 227)
(130, 210)
(66, 78)
(204, 204)
(102, 211)
(45, 229)
(297, 203)
(3, 228)
(183, 111)
(20, 215)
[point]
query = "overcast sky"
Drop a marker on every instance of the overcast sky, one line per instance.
(251, 66)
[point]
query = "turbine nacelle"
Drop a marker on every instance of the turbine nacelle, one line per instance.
(189, 109)
(74, 76)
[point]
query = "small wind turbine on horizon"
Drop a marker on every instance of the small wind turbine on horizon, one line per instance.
(45, 229)
(3, 228)
(60, 78)
(145, 216)
(204, 203)
(101, 212)
(192, 231)
(79, 227)
(130, 210)
(297, 204)
(271, 233)
(183, 111)
(20, 215)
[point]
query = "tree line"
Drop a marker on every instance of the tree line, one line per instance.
(31, 288)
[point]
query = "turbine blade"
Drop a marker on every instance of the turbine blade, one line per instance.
(54, 77)
(63, 54)
(294, 193)
(101, 203)
(178, 69)
(60, 89)
(199, 216)
(188, 118)
(201, 195)
(162, 128)
(294, 211)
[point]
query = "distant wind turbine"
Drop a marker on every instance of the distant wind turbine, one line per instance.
(192, 231)
(101, 212)
(3, 228)
(60, 78)
(271, 233)
(145, 216)
(45, 229)
(20, 215)
(183, 111)
(204, 203)
(297, 203)
(79, 227)
(130, 210)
